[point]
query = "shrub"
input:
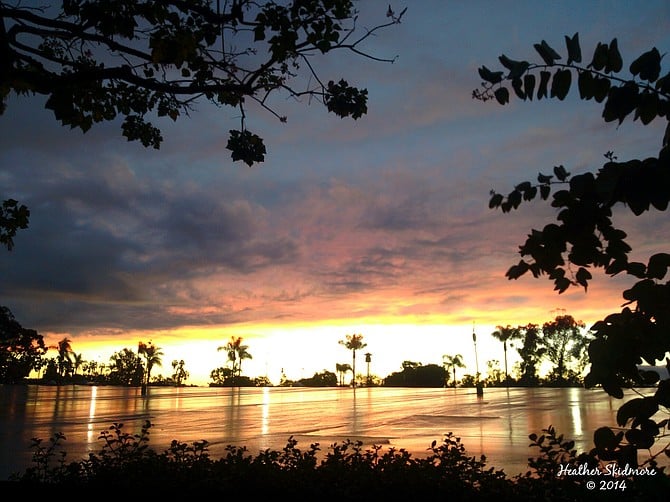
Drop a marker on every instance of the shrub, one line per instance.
(125, 463)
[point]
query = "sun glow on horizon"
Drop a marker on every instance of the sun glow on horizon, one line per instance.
(299, 350)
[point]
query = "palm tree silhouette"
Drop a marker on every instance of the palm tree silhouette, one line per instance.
(236, 353)
(504, 334)
(451, 363)
(152, 355)
(342, 369)
(353, 342)
(77, 362)
(180, 374)
(64, 348)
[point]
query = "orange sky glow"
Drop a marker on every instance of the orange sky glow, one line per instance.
(302, 348)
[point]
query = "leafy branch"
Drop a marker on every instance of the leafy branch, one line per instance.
(96, 61)
(584, 236)
(645, 93)
(13, 216)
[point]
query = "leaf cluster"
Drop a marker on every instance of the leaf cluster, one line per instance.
(643, 93)
(13, 217)
(640, 429)
(584, 235)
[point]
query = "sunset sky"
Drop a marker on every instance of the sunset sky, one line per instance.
(378, 226)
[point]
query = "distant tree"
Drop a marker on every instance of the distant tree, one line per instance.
(584, 236)
(242, 354)
(231, 353)
(409, 365)
(51, 374)
(21, 349)
(262, 381)
(287, 382)
(100, 369)
(125, 368)
(220, 375)
(415, 374)
(563, 340)
(470, 380)
(152, 357)
(89, 368)
(77, 362)
(353, 342)
(531, 353)
(236, 353)
(342, 369)
(450, 363)
(240, 381)
(505, 334)
(428, 375)
(494, 376)
(64, 348)
(94, 371)
(179, 373)
(324, 379)
(375, 380)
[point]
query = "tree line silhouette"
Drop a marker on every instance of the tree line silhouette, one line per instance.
(561, 343)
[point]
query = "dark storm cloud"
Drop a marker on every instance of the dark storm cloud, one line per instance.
(102, 242)
(199, 230)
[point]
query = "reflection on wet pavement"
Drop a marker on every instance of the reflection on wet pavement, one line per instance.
(496, 425)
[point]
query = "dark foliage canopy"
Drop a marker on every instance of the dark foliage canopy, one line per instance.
(417, 375)
(21, 349)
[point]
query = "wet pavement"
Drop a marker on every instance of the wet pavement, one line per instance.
(496, 425)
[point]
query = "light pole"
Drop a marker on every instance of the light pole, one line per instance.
(480, 389)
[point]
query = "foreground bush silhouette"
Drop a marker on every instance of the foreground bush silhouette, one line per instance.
(127, 464)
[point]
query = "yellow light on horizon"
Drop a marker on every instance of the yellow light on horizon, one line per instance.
(304, 348)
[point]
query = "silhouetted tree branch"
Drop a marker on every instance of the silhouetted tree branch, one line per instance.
(584, 236)
(143, 60)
